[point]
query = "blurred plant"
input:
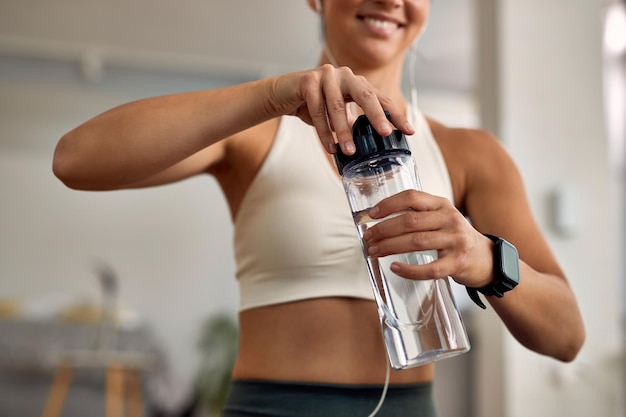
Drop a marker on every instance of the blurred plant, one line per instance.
(218, 341)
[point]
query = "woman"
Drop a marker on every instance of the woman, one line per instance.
(310, 339)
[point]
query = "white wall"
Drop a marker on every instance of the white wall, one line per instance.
(552, 120)
(170, 246)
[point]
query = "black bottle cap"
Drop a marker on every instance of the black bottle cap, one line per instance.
(370, 144)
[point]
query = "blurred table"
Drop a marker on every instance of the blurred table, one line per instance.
(31, 351)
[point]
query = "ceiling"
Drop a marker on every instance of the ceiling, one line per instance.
(229, 38)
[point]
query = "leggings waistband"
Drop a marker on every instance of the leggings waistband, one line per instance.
(254, 398)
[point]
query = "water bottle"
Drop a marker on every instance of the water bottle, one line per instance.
(419, 319)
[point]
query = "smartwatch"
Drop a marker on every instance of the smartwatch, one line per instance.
(505, 271)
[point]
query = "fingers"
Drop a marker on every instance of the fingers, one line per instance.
(439, 268)
(408, 200)
(335, 99)
(399, 236)
(414, 221)
(327, 103)
(316, 106)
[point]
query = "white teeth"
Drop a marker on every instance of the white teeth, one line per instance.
(382, 24)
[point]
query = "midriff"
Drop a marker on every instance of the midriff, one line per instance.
(331, 340)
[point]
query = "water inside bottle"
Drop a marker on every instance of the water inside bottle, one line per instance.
(415, 315)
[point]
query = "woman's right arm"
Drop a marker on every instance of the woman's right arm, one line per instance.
(137, 141)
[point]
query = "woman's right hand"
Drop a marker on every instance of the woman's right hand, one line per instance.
(320, 97)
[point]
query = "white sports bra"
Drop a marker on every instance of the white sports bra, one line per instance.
(294, 237)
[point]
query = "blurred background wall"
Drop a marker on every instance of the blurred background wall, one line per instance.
(531, 72)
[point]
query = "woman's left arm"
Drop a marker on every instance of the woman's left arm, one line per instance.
(541, 312)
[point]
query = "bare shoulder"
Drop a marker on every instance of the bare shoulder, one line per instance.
(475, 158)
(466, 143)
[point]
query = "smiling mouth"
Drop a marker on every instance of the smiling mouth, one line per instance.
(381, 24)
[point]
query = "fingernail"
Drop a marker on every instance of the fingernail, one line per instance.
(350, 147)
(374, 211)
(372, 250)
(367, 235)
(386, 127)
(395, 267)
(332, 147)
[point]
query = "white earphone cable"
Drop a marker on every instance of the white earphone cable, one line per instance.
(384, 393)
(412, 75)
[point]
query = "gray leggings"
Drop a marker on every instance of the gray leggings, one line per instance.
(252, 398)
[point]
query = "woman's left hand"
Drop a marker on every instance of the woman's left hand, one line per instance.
(429, 222)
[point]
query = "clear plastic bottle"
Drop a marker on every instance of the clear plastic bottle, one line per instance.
(420, 320)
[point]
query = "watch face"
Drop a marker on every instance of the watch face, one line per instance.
(510, 262)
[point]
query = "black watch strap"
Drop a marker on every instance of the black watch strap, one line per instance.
(501, 285)
(490, 289)
(473, 295)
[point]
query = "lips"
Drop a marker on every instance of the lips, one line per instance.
(381, 22)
